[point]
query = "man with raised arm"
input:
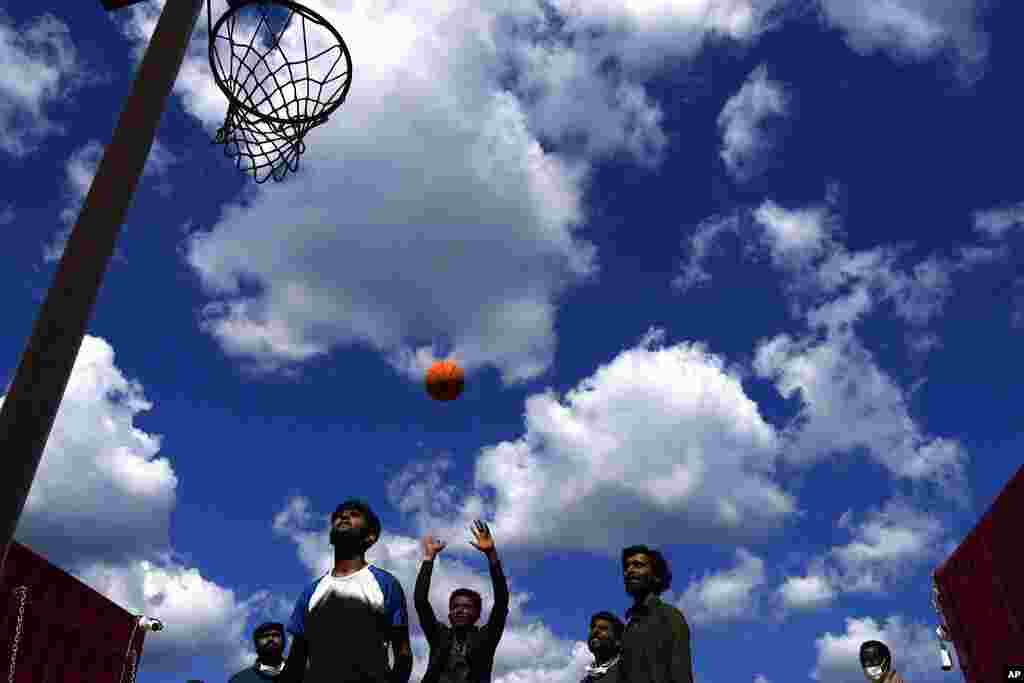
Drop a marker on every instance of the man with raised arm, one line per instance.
(462, 652)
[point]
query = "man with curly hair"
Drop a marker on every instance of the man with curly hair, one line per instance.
(656, 643)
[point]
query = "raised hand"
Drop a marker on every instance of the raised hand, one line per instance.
(431, 547)
(483, 542)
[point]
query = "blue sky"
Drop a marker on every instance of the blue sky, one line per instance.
(735, 278)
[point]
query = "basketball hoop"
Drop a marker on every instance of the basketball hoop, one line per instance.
(278, 85)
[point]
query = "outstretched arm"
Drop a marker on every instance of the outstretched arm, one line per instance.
(484, 542)
(428, 621)
(499, 613)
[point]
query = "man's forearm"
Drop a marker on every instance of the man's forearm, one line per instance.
(422, 589)
(498, 580)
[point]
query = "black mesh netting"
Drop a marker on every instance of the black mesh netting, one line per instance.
(284, 70)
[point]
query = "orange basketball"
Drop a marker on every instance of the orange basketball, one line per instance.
(445, 380)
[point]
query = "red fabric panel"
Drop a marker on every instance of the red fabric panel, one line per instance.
(70, 633)
(981, 592)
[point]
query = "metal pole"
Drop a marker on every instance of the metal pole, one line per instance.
(28, 412)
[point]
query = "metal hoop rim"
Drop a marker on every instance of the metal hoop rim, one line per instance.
(303, 11)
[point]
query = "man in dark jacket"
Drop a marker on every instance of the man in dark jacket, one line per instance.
(463, 652)
(605, 643)
(270, 641)
(656, 644)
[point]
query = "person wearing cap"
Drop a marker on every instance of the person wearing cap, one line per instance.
(876, 660)
(270, 640)
(345, 621)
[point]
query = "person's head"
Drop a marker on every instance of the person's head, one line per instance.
(645, 571)
(270, 641)
(464, 607)
(605, 635)
(354, 527)
(875, 659)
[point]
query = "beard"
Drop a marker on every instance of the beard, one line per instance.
(644, 584)
(600, 648)
(348, 540)
(270, 655)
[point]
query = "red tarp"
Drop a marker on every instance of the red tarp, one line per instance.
(69, 632)
(981, 589)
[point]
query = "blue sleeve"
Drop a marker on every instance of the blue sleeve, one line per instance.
(297, 623)
(395, 608)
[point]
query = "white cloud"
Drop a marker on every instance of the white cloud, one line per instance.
(916, 29)
(41, 67)
(100, 509)
(7, 214)
(656, 438)
(886, 546)
(806, 592)
(795, 238)
(704, 238)
(996, 223)
(726, 595)
(101, 490)
(643, 34)
(743, 122)
(568, 99)
(848, 402)
(913, 646)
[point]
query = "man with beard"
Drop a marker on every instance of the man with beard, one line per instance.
(656, 643)
(270, 641)
(876, 660)
(463, 653)
(605, 644)
(344, 621)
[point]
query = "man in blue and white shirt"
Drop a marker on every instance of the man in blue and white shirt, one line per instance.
(344, 622)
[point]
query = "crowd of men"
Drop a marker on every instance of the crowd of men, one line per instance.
(347, 620)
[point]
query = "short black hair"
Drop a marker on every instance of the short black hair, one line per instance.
(355, 504)
(618, 628)
(875, 646)
(267, 627)
(468, 593)
(658, 562)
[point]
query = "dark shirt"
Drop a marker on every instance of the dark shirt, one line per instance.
(480, 643)
(254, 675)
(457, 669)
(656, 644)
(342, 627)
